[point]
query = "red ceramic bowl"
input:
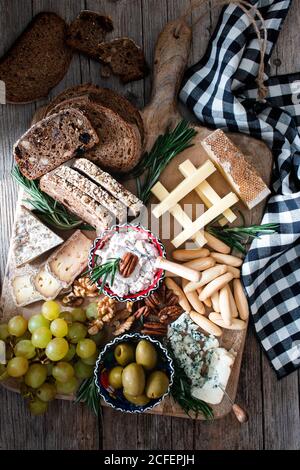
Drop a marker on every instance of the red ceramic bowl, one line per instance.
(100, 242)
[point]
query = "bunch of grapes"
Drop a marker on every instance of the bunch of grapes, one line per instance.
(49, 354)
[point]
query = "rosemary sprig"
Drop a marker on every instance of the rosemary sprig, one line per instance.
(46, 208)
(102, 272)
(181, 392)
(87, 393)
(166, 147)
(238, 237)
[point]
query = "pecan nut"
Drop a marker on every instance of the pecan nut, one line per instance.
(169, 314)
(142, 312)
(128, 263)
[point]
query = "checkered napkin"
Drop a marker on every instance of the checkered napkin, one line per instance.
(221, 91)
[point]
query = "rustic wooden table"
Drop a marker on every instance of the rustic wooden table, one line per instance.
(273, 405)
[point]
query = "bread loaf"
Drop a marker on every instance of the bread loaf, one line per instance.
(119, 147)
(53, 141)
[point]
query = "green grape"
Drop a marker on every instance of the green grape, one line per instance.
(82, 370)
(50, 309)
(67, 387)
(49, 368)
(70, 354)
(57, 349)
(37, 407)
(92, 310)
(86, 348)
(41, 337)
(17, 325)
(91, 361)
(4, 331)
(17, 366)
(98, 338)
(78, 314)
(59, 328)
(67, 316)
(36, 375)
(36, 321)
(63, 371)
(46, 392)
(77, 331)
(25, 348)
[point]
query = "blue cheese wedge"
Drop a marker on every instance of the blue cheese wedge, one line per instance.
(31, 238)
(207, 365)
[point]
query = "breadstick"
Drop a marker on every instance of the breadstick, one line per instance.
(200, 264)
(227, 259)
(225, 306)
(182, 300)
(233, 307)
(205, 324)
(207, 302)
(215, 285)
(185, 255)
(215, 302)
(207, 276)
(194, 299)
(236, 324)
(235, 271)
(178, 269)
(240, 300)
(216, 244)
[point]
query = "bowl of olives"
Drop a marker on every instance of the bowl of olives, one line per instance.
(134, 373)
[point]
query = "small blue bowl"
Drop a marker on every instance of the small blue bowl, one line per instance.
(106, 361)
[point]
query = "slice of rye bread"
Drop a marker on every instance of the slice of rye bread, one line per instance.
(105, 97)
(119, 147)
(87, 31)
(79, 203)
(125, 59)
(37, 61)
(53, 141)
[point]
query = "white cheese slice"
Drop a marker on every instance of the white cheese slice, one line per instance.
(46, 284)
(31, 238)
(23, 290)
(218, 374)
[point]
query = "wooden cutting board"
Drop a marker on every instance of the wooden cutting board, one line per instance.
(171, 54)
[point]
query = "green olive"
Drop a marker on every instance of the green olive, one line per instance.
(115, 377)
(124, 354)
(140, 400)
(133, 379)
(157, 384)
(146, 354)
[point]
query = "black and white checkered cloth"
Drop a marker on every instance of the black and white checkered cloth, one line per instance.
(221, 91)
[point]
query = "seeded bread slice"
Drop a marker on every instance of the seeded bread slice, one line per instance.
(110, 184)
(125, 59)
(105, 97)
(87, 31)
(85, 207)
(94, 191)
(53, 141)
(119, 147)
(37, 61)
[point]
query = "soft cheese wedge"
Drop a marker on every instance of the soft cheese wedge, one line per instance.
(218, 374)
(23, 290)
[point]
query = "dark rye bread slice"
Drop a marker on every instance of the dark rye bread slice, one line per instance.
(87, 31)
(53, 141)
(125, 59)
(37, 61)
(105, 97)
(119, 147)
